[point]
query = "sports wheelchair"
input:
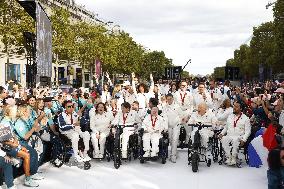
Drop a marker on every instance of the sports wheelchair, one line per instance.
(63, 153)
(163, 148)
(197, 152)
(133, 148)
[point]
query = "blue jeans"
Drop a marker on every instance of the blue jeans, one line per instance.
(8, 172)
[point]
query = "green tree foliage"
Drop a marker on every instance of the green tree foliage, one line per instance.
(82, 42)
(13, 22)
(266, 47)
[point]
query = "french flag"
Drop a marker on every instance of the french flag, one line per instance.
(259, 147)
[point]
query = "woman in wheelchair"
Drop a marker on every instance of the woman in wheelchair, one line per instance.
(126, 118)
(100, 121)
(237, 131)
(153, 125)
(20, 149)
(69, 125)
(205, 117)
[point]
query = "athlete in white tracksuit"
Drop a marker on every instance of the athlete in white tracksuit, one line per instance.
(184, 99)
(173, 114)
(224, 112)
(216, 96)
(205, 117)
(100, 121)
(202, 96)
(126, 117)
(236, 131)
(69, 125)
(153, 126)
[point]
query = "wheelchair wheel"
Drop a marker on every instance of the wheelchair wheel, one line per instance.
(58, 153)
(194, 162)
(116, 158)
(142, 160)
(87, 165)
(209, 163)
(164, 160)
(37, 144)
(116, 163)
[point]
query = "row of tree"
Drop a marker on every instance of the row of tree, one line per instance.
(265, 53)
(82, 42)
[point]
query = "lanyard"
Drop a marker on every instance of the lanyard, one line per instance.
(153, 121)
(182, 97)
(124, 118)
(235, 122)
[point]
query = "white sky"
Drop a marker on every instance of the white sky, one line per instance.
(207, 31)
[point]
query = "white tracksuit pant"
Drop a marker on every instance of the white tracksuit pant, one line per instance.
(74, 137)
(127, 131)
(99, 144)
(205, 134)
(174, 132)
(231, 143)
(151, 138)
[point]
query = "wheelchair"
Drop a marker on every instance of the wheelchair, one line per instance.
(197, 152)
(63, 154)
(182, 138)
(132, 150)
(163, 148)
(109, 148)
(242, 151)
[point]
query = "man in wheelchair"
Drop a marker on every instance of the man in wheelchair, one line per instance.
(203, 116)
(69, 125)
(235, 134)
(126, 118)
(152, 126)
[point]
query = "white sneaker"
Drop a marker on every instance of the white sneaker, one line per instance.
(57, 162)
(173, 159)
(36, 177)
(146, 154)
(30, 182)
(78, 158)
(124, 154)
(228, 161)
(101, 156)
(86, 157)
(154, 154)
(234, 161)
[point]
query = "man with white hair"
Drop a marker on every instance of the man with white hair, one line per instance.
(204, 117)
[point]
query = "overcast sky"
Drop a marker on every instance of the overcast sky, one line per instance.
(207, 31)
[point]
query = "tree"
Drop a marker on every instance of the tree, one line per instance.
(13, 22)
(279, 35)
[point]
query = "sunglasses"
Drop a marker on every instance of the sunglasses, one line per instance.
(70, 106)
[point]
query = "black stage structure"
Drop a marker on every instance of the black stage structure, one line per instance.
(38, 46)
